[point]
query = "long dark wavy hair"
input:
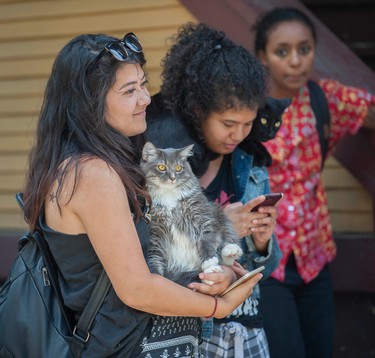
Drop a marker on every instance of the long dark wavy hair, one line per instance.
(205, 72)
(72, 126)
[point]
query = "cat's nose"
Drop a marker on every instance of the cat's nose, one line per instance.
(172, 178)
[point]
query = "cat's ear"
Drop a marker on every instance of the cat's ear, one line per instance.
(149, 152)
(187, 151)
(271, 104)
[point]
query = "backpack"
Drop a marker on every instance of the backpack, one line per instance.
(320, 108)
(34, 322)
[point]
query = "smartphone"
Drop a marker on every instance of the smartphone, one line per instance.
(271, 200)
(243, 279)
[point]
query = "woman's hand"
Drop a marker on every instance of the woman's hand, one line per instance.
(242, 217)
(262, 233)
(221, 280)
(229, 302)
(259, 224)
(239, 270)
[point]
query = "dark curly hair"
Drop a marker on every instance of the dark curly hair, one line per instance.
(205, 72)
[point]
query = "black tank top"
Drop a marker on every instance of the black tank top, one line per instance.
(116, 327)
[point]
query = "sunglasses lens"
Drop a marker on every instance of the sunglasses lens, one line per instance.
(132, 42)
(118, 51)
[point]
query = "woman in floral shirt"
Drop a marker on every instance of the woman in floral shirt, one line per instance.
(297, 301)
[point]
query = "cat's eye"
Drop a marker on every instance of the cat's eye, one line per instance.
(277, 124)
(178, 168)
(162, 167)
(263, 121)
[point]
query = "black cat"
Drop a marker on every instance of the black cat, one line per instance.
(265, 127)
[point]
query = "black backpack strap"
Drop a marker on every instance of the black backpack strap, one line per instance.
(81, 331)
(320, 107)
(51, 276)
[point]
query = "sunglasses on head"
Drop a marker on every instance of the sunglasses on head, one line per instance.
(118, 49)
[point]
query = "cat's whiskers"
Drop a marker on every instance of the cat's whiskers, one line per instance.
(168, 194)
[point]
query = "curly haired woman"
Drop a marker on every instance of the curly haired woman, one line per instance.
(211, 91)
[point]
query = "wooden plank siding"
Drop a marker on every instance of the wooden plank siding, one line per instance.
(349, 204)
(31, 34)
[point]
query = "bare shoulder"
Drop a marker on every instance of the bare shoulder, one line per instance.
(94, 186)
(97, 178)
(96, 168)
(93, 174)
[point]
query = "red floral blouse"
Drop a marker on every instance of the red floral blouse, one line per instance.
(303, 224)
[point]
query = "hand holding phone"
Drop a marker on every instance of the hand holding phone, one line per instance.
(271, 200)
(243, 279)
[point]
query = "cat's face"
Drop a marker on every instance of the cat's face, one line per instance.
(269, 119)
(166, 167)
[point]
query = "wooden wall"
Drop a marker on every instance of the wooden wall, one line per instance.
(31, 34)
(350, 205)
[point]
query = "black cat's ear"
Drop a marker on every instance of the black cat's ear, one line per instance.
(187, 151)
(149, 151)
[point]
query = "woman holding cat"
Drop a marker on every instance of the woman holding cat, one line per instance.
(210, 95)
(297, 301)
(83, 188)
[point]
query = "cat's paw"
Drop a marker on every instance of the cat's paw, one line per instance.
(229, 253)
(209, 266)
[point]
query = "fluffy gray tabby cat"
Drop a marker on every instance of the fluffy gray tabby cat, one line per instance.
(189, 234)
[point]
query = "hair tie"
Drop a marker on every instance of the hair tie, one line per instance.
(217, 47)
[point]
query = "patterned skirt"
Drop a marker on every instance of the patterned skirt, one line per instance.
(174, 337)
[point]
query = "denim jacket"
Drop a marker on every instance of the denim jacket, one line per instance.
(249, 182)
